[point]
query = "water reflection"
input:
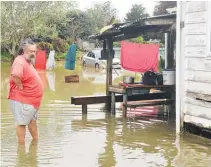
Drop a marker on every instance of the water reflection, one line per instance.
(27, 158)
(51, 80)
(123, 141)
(98, 76)
(192, 151)
(43, 78)
(107, 157)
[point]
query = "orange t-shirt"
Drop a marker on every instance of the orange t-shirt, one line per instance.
(32, 91)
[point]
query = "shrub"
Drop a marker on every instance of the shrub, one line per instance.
(45, 46)
(60, 45)
(60, 56)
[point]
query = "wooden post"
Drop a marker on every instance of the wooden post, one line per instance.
(170, 50)
(109, 70)
(179, 69)
(125, 98)
(84, 118)
(166, 50)
(84, 108)
(113, 103)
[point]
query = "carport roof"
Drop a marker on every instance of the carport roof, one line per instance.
(138, 27)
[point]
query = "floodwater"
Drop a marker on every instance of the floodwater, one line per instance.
(66, 138)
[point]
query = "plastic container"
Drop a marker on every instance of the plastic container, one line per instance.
(169, 76)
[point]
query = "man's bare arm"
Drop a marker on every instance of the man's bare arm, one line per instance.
(17, 81)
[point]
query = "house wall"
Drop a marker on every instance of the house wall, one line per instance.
(195, 64)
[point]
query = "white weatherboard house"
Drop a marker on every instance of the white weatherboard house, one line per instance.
(193, 59)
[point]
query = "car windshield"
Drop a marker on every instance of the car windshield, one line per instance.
(97, 53)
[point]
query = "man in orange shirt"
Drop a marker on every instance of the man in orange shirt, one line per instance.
(26, 91)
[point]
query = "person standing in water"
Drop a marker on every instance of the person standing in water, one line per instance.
(26, 91)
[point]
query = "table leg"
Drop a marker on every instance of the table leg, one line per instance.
(84, 108)
(125, 105)
(113, 104)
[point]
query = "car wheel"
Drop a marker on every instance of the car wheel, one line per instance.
(97, 66)
(84, 64)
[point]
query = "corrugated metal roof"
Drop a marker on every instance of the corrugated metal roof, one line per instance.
(137, 25)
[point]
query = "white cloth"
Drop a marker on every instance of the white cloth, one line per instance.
(51, 61)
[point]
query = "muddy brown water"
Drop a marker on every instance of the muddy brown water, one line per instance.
(66, 138)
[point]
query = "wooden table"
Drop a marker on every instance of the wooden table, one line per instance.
(131, 89)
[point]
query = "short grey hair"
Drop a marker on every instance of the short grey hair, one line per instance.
(27, 41)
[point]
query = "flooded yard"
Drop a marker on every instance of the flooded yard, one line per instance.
(66, 138)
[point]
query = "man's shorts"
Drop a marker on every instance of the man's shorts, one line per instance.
(23, 113)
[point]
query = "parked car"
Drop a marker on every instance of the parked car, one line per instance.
(93, 59)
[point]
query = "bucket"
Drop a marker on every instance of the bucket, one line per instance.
(71, 78)
(168, 77)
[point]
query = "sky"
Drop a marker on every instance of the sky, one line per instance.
(123, 6)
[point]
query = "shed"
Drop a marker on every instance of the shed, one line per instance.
(193, 56)
(128, 30)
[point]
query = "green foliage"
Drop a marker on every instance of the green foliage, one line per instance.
(58, 28)
(136, 12)
(139, 39)
(45, 46)
(161, 64)
(21, 19)
(117, 44)
(36, 19)
(60, 56)
(100, 15)
(60, 45)
(77, 25)
(5, 57)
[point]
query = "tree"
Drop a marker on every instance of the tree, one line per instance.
(20, 19)
(161, 7)
(136, 12)
(101, 14)
(78, 25)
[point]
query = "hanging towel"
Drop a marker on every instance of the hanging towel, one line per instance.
(51, 61)
(70, 58)
(139, 57)
(40, 61)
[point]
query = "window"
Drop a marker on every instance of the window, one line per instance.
(90, 54)
(93, 55)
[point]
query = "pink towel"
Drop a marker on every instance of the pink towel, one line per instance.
(139, 57)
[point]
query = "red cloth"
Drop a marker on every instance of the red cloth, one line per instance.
(32, 85)
(139, 57)
(40, 61)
